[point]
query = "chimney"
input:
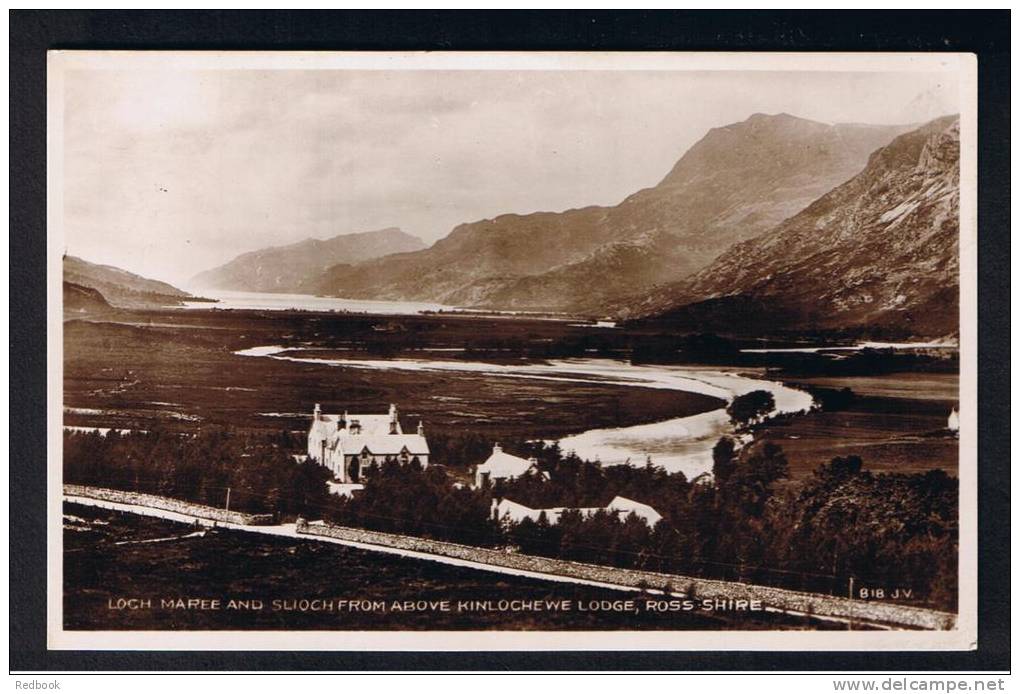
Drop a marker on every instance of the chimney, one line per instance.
(496, 448)
(317, 412)
(421, 428)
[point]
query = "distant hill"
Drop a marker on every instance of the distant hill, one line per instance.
(880, 251)
(735, 183)
(120, 287)
(289, 268)
(79, 299)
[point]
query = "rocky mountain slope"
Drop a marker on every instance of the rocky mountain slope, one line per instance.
(287, 268)
(879, 251)
(120, 287)
(735, 183)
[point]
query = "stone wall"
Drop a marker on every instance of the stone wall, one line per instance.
(168, 504)
(695, 588)
(689, 586)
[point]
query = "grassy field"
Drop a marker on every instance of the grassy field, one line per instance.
(942, 388)
(132, 375)
(890, 434)
(104, 562)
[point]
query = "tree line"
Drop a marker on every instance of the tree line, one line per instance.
(257, 468)
(750, 523)
(747, 522)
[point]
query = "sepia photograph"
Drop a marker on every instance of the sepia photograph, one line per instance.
(546, 351)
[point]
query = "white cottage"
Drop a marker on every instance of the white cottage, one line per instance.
(348, 443)
(511, 511)
(623, 507)
(503, 466)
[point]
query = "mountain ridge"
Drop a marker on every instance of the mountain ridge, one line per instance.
(119, 287)
(286, 268)
(880, 251)
(737, 181)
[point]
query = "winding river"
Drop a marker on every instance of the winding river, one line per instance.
(680, 444)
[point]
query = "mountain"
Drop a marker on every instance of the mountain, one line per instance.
(736, 182)
(880, 251)
(120, 287)
(79, 299)
(286, 268)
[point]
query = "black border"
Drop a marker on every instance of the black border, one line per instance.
(985, 33)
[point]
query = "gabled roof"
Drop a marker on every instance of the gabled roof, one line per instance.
(323, 428)
(384, 444)
(625, 507)
(518, 512)
(501, 464)
(371, 424)
(621, 506)
(515, 509)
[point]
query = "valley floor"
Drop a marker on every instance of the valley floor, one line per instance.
(184, 371)
(902, 432)
(178, 370)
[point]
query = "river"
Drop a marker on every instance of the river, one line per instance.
(680, 444)
(858, 347)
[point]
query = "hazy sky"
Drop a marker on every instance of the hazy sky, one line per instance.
(167, 173)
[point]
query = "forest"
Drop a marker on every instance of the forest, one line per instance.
(750, 523)
(257, 468)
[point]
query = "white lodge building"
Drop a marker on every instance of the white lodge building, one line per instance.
(347, 444)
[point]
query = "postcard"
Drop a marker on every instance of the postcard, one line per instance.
(512, 351)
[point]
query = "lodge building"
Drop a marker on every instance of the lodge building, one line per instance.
(347, 444)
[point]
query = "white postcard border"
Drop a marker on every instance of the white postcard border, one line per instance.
(963, 637)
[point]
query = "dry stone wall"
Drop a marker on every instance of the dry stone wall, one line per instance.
(689, 586)
(696, 588)
(167, 504)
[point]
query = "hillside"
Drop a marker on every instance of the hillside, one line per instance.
(287, 268)
(120, 287)
(736, 182)
(79, 299)
(878, 252)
